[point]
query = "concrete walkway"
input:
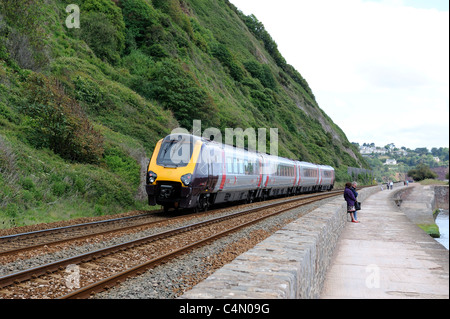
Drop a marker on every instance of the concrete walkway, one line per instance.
(386, 256)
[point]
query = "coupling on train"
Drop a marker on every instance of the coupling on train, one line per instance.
(188, 171)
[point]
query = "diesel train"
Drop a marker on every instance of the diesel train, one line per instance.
(188, 171)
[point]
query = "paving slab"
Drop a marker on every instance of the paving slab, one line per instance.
(386, 256)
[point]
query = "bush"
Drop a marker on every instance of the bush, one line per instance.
(57, 122)
(221, 53)
(101, 36)
(261, 72)
(26, 37)
(90, 92)
(174, 10)
(102, 28)
(139, 17)
(421, 172)
(178, 89)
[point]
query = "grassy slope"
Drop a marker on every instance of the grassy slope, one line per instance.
(133, 71)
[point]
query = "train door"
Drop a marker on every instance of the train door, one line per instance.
(215, 171)
(208, 155)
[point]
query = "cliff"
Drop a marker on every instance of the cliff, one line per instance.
(82, 108)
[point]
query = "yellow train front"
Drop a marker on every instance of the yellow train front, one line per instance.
(175, 162)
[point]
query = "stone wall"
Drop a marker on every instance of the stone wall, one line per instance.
(441, 196)
(290, 264)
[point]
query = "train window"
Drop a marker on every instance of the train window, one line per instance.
(235, 165)
(326, 173)
(175, 151)
(240, 166)
(229, 165)
(310, 172)
(283, 170)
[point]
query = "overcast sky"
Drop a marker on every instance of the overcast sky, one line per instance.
(379, 68)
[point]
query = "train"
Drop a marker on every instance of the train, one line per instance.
(191, 172)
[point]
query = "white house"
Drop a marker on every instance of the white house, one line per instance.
(390, 161)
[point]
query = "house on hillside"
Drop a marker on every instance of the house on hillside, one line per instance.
(391, 161)
(365, 150)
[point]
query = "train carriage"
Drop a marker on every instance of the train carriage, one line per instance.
(326, 177)
(309, 177)
(279, 175)
(241, 176)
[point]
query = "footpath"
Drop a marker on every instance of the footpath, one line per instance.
(386, 256)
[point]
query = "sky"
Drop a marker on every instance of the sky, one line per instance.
(378, 68)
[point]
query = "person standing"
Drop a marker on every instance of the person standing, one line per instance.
(353, 188)
(350, 199)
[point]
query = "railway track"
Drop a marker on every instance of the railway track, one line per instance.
(102, 269)
(16, 243)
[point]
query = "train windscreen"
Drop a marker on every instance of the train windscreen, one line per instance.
(175, 151)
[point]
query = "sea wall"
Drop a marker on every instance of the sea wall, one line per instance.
(290, 264)
(441, 195)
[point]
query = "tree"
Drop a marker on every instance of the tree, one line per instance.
(422, 172)
(421, 150)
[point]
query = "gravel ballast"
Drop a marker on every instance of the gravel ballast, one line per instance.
(173, 278)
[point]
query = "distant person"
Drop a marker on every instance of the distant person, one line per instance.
(353, 188)
(350, 199)
(391, 184)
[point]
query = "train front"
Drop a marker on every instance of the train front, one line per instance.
(171, 171)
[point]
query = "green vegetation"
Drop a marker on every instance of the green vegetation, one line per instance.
(421, 172)
(431, 229)
(418, 164)
(81, 109)
(432, 182)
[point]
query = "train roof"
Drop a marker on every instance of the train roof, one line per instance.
(196, 138)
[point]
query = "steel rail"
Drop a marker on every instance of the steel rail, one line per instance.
(78, 237)
(35, 272)
(58, 230)
(113, 280)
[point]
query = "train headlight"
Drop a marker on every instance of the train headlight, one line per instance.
(186, 179)
(151, 177)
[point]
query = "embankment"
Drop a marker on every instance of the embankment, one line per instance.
(292, 263)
